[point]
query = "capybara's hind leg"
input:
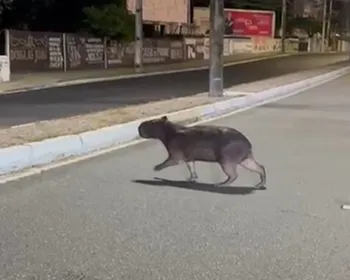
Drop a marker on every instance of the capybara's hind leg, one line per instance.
(194, 170)
(166, 163)
(193, 174)
(252, 165)
(230, 169)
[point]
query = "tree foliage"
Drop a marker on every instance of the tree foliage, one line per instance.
(110, 20)
(309, 25)
(110, 17)
(100, 17)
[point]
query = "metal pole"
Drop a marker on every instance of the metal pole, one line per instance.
(347, 24)
(329, 21)
(324, 25)
(8, 48)
(138, 37)
(105, 53)
(216, 79)
(64, 50)
(283, 25)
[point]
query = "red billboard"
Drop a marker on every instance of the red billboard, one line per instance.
(249, 23)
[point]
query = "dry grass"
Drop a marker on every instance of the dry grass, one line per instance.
(78, 124)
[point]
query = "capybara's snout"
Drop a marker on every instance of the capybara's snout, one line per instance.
(141, 130)
(153, 128)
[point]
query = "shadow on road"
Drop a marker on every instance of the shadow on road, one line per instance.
(199, 186)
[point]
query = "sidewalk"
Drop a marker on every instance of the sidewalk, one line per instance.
(22, 82)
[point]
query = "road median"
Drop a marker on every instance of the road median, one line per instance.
(34, 81)
(45, 142)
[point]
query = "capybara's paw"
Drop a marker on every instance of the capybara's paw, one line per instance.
(193, 177)
(157, 168)
(260, 185)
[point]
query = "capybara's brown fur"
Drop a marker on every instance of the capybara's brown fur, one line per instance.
(224, 145)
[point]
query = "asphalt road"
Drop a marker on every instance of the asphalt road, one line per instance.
(46, 104)
(107, 218)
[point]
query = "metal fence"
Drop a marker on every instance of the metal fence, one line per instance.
(44, 51)
(31, 51)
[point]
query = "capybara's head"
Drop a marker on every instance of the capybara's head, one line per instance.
(156, 128)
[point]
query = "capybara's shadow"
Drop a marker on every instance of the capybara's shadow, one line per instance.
(199, 186)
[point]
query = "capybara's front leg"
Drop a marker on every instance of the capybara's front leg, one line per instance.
(194, 170)
(166, 163)
(193, 174)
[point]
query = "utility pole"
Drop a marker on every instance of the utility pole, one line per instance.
(216, 79)
(138, 36)
(329, 21)
(283, 26)
(324, 25)
(347, 25)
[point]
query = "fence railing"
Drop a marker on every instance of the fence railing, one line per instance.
(31, 51)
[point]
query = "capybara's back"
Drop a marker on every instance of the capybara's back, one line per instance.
(210, 143)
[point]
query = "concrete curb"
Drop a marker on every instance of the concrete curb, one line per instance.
(17, 158)
(137, 75)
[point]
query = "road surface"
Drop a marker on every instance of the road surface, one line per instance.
(25, 107)
(108, 218)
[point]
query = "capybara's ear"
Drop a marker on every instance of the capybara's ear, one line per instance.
(164, 118)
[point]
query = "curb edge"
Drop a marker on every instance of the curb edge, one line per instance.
(35, 154)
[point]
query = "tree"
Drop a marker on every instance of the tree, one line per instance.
(17, 14)
(110, 20)
(309, 25)
(67, 16)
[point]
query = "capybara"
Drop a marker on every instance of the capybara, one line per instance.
(224, 145)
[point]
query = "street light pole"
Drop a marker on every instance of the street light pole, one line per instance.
(329, 21)
(138, 37)
(216, 80)
(347, 23)
(283, 26)
(324, 25)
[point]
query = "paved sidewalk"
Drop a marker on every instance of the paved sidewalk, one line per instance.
(37, 80)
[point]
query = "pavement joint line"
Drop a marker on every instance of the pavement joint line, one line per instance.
(22, 125)
(237, 93)
(81, 81)
(35, 170)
